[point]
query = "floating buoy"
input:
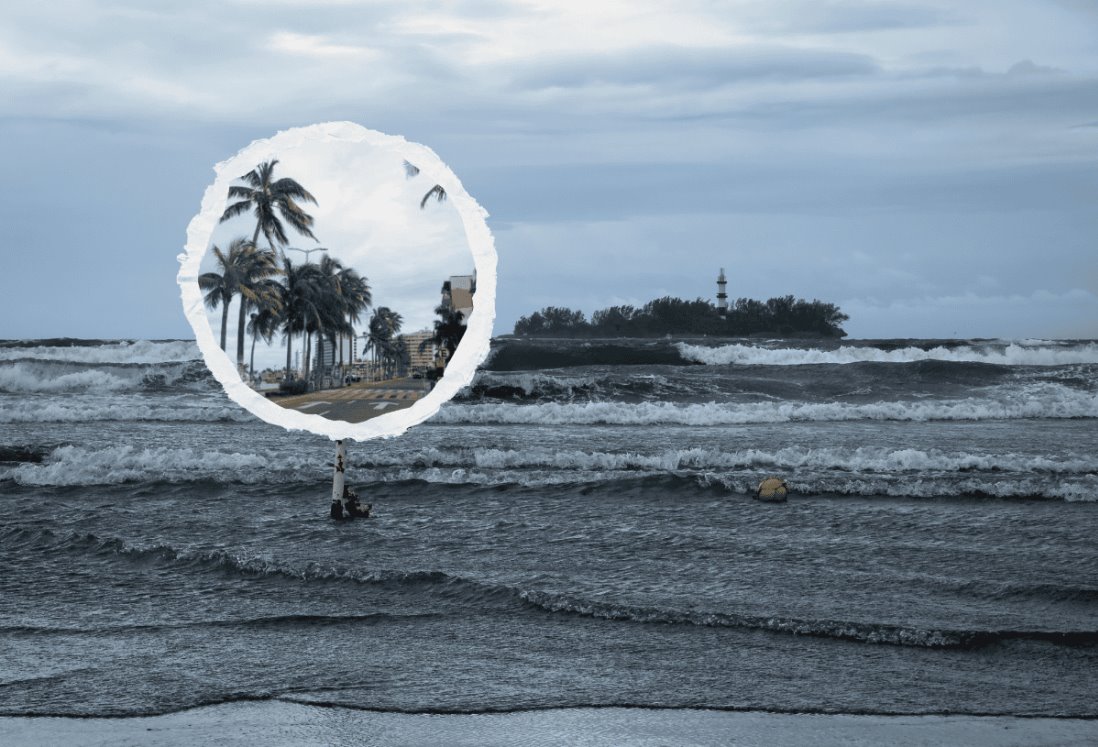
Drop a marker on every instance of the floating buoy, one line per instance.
(772, 490)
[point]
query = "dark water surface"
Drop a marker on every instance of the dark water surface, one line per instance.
(574, 536)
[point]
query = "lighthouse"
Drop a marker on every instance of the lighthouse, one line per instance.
(722, 297)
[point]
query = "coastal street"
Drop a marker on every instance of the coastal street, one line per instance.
(358, 402)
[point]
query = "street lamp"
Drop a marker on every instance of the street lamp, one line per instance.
(307, 252)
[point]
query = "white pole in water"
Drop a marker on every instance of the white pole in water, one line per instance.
(337, 477)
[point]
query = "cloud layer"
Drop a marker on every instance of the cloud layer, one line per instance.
(623, 149)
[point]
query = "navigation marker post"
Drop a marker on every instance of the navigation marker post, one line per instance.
(338, 479)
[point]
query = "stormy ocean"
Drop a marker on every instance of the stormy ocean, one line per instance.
(576, 529)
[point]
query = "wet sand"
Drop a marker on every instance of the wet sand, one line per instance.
(276, 722)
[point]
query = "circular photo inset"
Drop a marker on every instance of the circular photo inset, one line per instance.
(339, 281)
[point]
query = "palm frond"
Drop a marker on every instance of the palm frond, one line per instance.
(287, 187)
(234, 210)
(437, 192)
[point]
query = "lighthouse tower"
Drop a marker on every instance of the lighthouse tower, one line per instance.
(722, 297)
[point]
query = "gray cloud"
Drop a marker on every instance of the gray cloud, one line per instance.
(1051, 99)
(694, 68)
(845, 16)
(768, 186)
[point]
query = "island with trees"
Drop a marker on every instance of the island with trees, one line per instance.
(784, 316)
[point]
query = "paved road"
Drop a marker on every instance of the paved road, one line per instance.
(358, 402)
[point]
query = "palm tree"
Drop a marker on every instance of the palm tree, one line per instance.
(393, 322)
(221, 287)
(449, 329)
(437, 191)
(375, 337)
(355, 298)
(268, 198)
(384, 324)
(267, 317)
(400, 357)
(257, 266)
(301, 294)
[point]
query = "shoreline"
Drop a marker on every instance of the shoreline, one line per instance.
(281, 722)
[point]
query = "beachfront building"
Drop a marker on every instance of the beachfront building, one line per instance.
(420, 361)
(457, 294)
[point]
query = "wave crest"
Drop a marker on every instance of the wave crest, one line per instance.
(37, 376)
(115, 351)
(98, 410)
(1047, 401)
(863, 471)
(1013, 354)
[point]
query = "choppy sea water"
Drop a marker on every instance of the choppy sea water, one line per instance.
(576, 529)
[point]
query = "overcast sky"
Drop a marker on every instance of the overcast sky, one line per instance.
(932, 167)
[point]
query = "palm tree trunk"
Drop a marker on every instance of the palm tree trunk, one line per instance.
(308, 353)
(251, 361)
(342, 373)
(224, 321)
(240, 330)
(289, 344)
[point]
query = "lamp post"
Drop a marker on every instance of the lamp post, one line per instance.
(307, 252)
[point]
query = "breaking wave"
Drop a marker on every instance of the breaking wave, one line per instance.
(524, 355)
(861, 459)
(1045, 401)
(78, 465)
(530, 385)
(865, 471)
(1013, 354)
(97, 351)
(80, 411)
(26, 376)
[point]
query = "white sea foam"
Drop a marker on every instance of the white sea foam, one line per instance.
(138, 351)
(46, 376)
(77, 465)
(1013, 354)
(1080, 490)
(25, 378)
(875, 459)
(856, 460)
(862, 472)
(77, 411)
(1043, 401)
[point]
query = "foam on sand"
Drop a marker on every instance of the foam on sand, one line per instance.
(282, 722)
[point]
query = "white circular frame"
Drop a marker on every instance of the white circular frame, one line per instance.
(478, 334)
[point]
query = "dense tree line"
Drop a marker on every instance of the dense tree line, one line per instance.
(781, 316)
(322, 301)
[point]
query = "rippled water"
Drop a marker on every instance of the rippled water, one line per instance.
(577, 535)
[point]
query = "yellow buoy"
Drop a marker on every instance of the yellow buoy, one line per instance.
(772, 489)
